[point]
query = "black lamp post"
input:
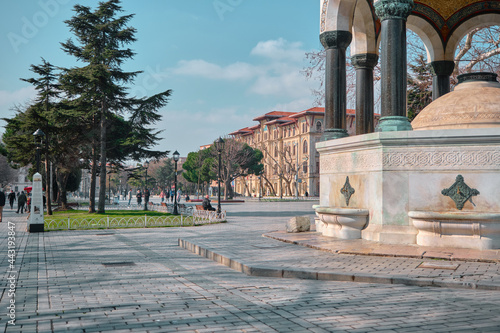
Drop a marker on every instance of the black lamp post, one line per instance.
(219, 145)
(176, 156)
(38, 141)
(109, 187)
(146, 165)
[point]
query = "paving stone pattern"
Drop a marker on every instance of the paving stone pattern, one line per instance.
(150, 284)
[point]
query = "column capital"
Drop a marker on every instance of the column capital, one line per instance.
(442, 67)
(364, 60)
(393, 9)
(335, 39)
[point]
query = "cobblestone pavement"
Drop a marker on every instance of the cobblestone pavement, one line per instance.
(140, 280)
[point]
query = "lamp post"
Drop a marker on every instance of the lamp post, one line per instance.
(146, 165)
(38, 141)
(109, 186)
(260, 185)
(176, 156)
(281, 185)
(219, 145)
(297, 169)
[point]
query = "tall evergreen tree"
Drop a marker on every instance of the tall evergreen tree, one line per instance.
(102, 37)
(47, 86)
(419, 86)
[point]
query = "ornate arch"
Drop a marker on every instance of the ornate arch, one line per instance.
(365, 28)
(477, 21)
(430, 37)
(336, 15)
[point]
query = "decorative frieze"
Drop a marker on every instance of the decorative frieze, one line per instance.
(418, 159)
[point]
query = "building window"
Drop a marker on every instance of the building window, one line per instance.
(293, 130)
(304, 167)
(318, 126)
(317, 167)
(276, 151)
(293, 150)
(304, 147)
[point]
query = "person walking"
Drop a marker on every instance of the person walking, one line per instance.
(2, 203)
(129, 196)
(139, 197)
(12, 198)
(21, 201)
(162, 195)
(172, 195)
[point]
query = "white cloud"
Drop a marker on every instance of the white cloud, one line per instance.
(10, 98)
(287, 83)
(280, 50)
(279, 75)
(236, 71)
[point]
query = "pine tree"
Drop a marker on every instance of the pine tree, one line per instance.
(419, 86)
(102, 38)
(47, 86)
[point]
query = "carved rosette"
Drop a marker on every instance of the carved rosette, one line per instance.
(393, 9)
(460, 192)
(364, 60)
(347, 191)
(335, 39)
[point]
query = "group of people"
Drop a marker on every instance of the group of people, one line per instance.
(164, 196)
(23, 202)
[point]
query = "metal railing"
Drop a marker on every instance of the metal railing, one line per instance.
(188, 217)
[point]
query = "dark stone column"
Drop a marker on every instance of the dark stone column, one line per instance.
(364, 64)
(393, 15)
(441, 71)
(335, 43)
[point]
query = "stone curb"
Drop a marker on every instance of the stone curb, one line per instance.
(250, 269)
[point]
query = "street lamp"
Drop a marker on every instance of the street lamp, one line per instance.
(176, 156)
(38, 141)
(297, 169)
(219, 146)
(146, 165)
(281, 185)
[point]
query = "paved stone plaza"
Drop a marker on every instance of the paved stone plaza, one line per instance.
(140, 280)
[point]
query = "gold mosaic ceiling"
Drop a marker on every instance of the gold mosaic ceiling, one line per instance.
(446, 8)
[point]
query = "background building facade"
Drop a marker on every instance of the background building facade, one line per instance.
(291, 162)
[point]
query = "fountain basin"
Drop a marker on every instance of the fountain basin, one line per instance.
(343, 223)
(457, 229)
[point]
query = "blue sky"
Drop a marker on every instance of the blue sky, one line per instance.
(227, 61)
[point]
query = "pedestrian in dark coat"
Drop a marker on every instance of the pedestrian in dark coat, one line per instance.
(139, 197)
(2, 203)
(21, 201)
(12, 198)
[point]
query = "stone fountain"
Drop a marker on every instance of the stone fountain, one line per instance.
(438, 185)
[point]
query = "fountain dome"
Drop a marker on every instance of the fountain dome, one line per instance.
(474, 103)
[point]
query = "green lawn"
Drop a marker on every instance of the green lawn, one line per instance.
(83, 214)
